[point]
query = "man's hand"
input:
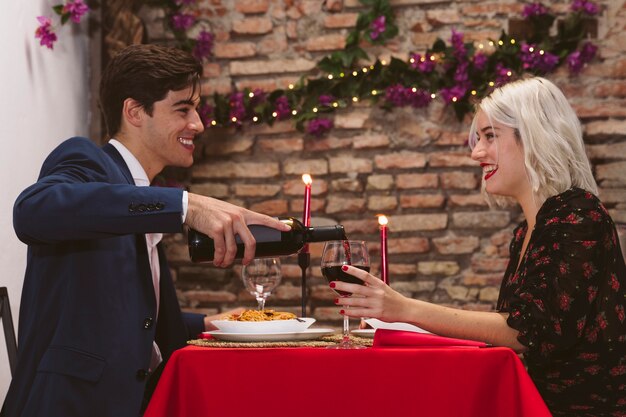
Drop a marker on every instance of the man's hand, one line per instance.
(221, 221)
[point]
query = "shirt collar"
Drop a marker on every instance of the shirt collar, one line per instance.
(136, 170)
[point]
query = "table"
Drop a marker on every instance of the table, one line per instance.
(318, 382)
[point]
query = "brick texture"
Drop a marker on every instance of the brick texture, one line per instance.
(445, 244)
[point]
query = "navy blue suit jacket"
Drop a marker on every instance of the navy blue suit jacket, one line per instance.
(88, 310)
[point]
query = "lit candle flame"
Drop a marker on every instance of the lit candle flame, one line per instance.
(306, 178)
(382, 220)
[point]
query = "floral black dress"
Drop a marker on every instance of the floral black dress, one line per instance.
(567, 301)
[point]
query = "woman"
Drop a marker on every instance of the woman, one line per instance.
(563, 294)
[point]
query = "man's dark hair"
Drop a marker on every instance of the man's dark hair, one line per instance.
(145, 73)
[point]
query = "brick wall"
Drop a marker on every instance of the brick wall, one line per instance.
(445, 244)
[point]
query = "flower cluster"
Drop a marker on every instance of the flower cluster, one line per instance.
(534, 58)
(377, 27)
(400, 96)
(181, 17)
(72, 10)
(586, 7)
(424, 63)
(455, 73)
(578, 59)
(45, 32)
(319, 127)
(533, 10)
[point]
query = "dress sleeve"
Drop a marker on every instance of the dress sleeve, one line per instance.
(560, 274)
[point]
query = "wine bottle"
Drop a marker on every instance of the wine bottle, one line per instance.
(269, 242)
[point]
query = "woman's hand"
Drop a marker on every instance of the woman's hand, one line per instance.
(374, 299)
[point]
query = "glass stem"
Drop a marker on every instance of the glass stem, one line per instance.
(261, 301)
(346, 327)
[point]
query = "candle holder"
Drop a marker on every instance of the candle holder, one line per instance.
(304, 261)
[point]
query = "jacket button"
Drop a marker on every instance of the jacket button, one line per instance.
(151, 207)
(132, 207)
(142, 374)
(147, 323)
(141, 207)
(160, 206)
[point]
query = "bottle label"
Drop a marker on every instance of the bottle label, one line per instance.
(262, 234)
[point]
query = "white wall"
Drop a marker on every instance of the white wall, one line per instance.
(43, 100)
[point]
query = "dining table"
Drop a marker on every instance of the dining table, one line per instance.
(431, 380)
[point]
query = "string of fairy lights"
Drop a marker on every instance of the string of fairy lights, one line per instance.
(374, 92)
(299, 101)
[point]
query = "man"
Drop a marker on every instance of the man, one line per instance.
(99, 311)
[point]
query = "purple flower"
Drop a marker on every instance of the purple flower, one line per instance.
(460, 52)
(396, 95)
(283, 110)
(76, 9)
(400, 96)
(182, 21)
(577, 59)
(419, 98)
(424, 63)
(460, 74)
(206, 113)
(204, 45)
(45, 32)
(319, 127)
(377, 27)
(480, 61)
(259, 96)
(585, 6)
(534, 9)
(326, 100)
(237, 107)
(454, 93)
(533, 58)
(503, 74)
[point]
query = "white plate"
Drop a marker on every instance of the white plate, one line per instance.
(308, 334)
(271, 326)
(366, 333)
(379, 324)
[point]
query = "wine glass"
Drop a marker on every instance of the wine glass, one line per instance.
(336, 254)
(260, 277)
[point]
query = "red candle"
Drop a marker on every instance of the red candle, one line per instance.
(384, 271)
(306, 217)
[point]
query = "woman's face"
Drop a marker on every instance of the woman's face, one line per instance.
(502, 159)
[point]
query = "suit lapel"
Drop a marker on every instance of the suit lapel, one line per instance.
(142, 250)
(119, 161)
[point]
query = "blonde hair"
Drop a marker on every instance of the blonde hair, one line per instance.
(549, 131)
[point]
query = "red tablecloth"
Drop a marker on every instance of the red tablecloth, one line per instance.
(316, 382)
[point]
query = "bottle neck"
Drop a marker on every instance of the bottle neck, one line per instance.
(325, 233)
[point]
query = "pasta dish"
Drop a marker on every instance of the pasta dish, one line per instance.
(260, 315)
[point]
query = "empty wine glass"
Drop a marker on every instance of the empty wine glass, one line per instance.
(336, 254)
(260, 277)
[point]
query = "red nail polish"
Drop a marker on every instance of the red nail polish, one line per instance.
(332, 285)
(344, 268)
(336, 300)
(342, 312)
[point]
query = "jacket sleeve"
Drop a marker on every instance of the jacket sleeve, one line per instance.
(82, 194)
(194, 323)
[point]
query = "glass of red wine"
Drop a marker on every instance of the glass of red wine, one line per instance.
(336, 254)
